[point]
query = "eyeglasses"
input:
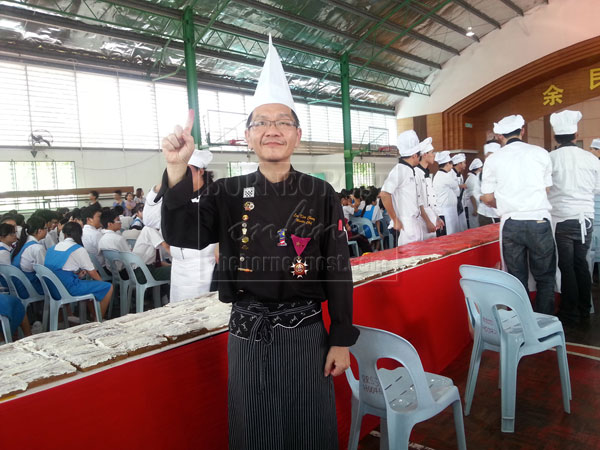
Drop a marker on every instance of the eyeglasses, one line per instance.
(282, 125)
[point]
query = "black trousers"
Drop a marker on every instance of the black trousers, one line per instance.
(576, 281)
(529, 245)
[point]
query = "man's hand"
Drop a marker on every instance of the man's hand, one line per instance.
(430, 226)
(338, 360)
(178, 148)
(474, 213)
(398, 224)
(439, 224)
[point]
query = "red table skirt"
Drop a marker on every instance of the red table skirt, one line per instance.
(177, 399)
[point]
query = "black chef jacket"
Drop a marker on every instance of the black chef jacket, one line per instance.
(256, 264)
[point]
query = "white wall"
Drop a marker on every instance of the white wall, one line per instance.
(544, 30)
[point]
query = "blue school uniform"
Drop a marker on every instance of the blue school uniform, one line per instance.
(55, 261)
(35, 281)
(12, 308)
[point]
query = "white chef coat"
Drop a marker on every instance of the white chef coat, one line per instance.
(428, 199)
(445, 185)
(402, 184)
(113, 241)
(473, 191)
(191, 272)
(151, 212)
(90, 238)
(518, 175)
(576, 179)
(34, 254)
(77, 260)
(147, 242)
(5, 254)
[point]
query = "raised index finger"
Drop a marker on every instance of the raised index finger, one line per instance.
(190, 122)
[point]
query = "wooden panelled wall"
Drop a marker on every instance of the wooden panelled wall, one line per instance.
(467, 124)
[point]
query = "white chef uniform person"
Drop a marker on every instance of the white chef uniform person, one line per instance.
(192, 270)
(458, 161)
(473, 191)
(400, 191)
(445, 185)
(516, 180)
(485, 214)
(425, 180)
(595, 147)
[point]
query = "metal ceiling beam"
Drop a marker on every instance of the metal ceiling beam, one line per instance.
(478, 13)
(439, 19)
(325, 28)
(56, 59)
(47, 19)
(394, 27)
(513, 6)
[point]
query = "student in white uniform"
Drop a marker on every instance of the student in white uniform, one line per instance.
(151, 211)
(91, 232)
(29, 251)
(485, 214)
(188, 261)
(425, 180)
(445, 186)
(400, 191)
(112, 240)
(516, 180)
(459, 163)
(473, 192)
(147, 244)
(8, 236)
(576, 180)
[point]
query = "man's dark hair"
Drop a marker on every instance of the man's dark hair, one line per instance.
(46, 214)
(563, 139)
(6, 229)
(76, 214)
(95, 194)
(492, 141)
(8, 216)
(107, 217)
(512, 134)
(137, 208)
(118, 191)
(73, 230)
(118, 210)
(294, 116)
(87, 213)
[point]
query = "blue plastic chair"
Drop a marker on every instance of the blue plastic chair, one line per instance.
(401, 397)
(47, 276)
(10, 273)
(516, 333)
(131, 261)
(125, 286)
(4, 322)
(354, 246)
(364, 227)
(387, 234)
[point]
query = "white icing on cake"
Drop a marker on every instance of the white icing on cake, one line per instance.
(376, 269)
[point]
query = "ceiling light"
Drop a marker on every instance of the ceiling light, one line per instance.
(470, 32)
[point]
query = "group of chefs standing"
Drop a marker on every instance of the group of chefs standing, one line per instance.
(543, 200)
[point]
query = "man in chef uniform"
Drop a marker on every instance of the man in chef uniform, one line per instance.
(445, 185)
(515, 181)
(460, 164)
(576, 180)
(186, 261)
(400, 192)
(425, 180)
(485, 214)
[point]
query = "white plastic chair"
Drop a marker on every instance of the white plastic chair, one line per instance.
(131, 261)
(5, 324)
(125, 286)
(517, 333)
(354, 246)
(47, 276)
(360, 224)
(401, 397)
(10, 273)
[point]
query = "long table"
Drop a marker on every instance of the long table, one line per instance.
(176, 397)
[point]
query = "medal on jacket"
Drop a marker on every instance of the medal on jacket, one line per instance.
(281, 235)
(299, 268)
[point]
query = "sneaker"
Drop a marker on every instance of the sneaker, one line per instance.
(37, 328)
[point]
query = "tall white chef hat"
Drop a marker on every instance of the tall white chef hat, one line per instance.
(408, 143)
(565, 122)
(425, 146)
(596, 143)
(442, 157)
(509, 124)
(272, 84)
(475, 164)
(458, 158)
(201, 159)
(491, 148)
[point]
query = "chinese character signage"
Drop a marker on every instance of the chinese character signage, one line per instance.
(594, 78)
(553, 95)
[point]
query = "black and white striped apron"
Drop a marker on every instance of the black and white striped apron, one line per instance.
(278, 396)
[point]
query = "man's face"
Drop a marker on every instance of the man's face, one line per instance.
(273, 143)
(95, 220)
(115, 225)
(413, 160)
(92, 198)
(52, 224)
(428, 157)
